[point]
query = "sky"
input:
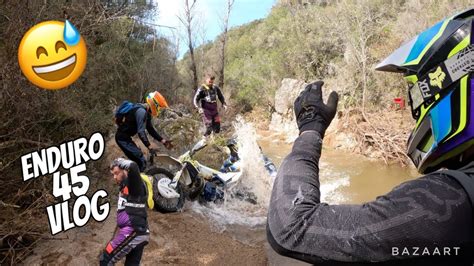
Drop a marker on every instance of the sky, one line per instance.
(211, 11)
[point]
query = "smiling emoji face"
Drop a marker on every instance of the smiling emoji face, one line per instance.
(52, 54)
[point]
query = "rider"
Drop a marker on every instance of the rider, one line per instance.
(137, 120)
(205, 100)
(233, 163)
(426, 220)
(132, 225)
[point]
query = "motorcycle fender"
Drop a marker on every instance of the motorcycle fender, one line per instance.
(168, 161)
(185, 178)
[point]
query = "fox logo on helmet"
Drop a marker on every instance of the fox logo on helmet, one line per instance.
(437, 78)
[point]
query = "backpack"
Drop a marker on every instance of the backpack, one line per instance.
(122, 110)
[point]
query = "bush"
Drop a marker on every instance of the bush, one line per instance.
(338, 41)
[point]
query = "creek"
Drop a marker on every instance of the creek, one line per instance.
(346, 178)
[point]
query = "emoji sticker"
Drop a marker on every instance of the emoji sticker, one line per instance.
(52, 54)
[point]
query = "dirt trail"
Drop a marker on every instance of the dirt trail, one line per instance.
(182, 238)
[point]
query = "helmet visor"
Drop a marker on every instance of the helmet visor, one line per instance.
(395, 61)
(410, 52)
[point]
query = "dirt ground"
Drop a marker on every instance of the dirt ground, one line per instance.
(182, 238)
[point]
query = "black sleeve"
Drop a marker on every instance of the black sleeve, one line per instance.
(134, 180)
(151, 129)
(426, 212)
(220, 95)
(140, 117)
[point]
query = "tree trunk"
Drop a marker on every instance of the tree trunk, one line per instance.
(193, 62)
(225, 27)
(187, 20)
(221, 70)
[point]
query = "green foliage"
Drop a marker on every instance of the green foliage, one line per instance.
(338, 41)
(125, 61)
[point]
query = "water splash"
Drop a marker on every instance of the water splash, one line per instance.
(256, 179)
(70, 34)
(332, 180)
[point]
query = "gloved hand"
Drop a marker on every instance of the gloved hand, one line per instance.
(310, 110)
(153, 147)
(225, 107)
(152, 151)
(200, 110)
(168, 144)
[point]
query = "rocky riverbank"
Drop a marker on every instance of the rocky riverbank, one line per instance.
(380, 134)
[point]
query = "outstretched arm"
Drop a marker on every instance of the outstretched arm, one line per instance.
(427, 212)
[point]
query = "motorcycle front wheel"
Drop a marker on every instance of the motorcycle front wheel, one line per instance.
(163, 204)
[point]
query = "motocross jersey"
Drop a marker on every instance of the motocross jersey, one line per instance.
(210, 94)
(137, 121)
(428, 220)
(465, 177)
(131, 207)
(206, 97)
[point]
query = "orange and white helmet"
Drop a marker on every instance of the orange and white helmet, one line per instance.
(156, 102)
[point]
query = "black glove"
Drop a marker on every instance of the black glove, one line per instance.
(168, 144)
(310, 110)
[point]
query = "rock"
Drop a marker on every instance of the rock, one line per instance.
(168, 114)
(286, 94)
(344, 141)
(183, 131)
(183, 110)
(174, 112)
(284, 124)
(283, 119)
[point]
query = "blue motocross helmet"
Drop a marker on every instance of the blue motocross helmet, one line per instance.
(438, 65)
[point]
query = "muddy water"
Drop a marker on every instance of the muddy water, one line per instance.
(232, 233)
(345, 178)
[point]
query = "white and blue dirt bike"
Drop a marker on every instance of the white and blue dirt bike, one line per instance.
(184, 178)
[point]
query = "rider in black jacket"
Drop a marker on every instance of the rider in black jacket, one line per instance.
(132, 233)
(205, 100)
(137, 122)
(427, 221)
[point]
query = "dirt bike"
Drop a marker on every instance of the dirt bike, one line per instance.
(186, 179)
